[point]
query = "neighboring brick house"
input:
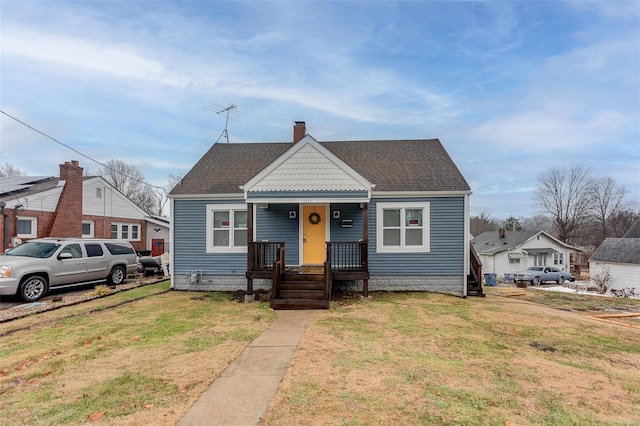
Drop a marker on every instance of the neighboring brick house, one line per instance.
(68, 206)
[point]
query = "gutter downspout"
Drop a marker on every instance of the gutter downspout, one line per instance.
(7, 225)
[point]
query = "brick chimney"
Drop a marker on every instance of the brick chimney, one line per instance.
(501, 233)
(299, 131)
(68, 215)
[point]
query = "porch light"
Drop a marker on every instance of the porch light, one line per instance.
(336, 214)
(292, 214)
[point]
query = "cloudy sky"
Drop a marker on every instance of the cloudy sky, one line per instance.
(510, 88)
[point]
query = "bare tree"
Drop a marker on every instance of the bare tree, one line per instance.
(564, 195)
(512, 224)
(173, 180)
(622, 220)
(482, 223)
(536, 223)
(607, 198)
(125, 178)
(8, 170)
(131, 182)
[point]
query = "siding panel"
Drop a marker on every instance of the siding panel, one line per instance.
(190, 242)
(447, 242)
(273, 224)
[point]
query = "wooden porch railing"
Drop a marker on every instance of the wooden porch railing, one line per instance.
(327, 274)
(278, 271)
(475, 274)
(347, 256)
(261, 255)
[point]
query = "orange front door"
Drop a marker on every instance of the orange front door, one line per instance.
(314, 234)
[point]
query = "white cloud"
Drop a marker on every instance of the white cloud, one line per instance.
(112, 59)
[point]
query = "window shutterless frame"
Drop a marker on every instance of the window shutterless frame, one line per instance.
(403, 227)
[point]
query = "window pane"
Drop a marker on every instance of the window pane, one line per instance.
(391, 237)
(74, 249)
(24, 226)
(413, 237)
(221, 238)
(134, 232)
(391, 218)
(240, 238)
(114, 232)
(124, 234)
(240, 220)
(221, 219)
(93, 250)
(413, 217)
(86, 229)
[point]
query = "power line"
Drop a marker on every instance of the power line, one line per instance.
(80, 153)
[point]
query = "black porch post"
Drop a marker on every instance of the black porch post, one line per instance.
(365, 254)
(249, 246)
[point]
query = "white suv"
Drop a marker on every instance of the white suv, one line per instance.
(33, 267)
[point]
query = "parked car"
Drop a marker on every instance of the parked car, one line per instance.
(32, 268)
(540, 274)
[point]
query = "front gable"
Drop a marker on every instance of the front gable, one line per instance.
(307, 170)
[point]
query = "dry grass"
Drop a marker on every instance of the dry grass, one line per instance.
(437, 360)
(397, 359)
(142, 362)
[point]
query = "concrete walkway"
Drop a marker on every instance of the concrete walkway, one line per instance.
(243, 392)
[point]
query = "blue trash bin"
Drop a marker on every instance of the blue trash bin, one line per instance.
(490, 280)
(508, 278)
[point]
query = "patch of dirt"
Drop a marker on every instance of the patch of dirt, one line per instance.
(60, 300)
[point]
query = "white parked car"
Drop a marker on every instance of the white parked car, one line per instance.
(32, 268)
(537, 275)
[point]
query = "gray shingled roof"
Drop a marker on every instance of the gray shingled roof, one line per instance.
(618, 250)
(392, 165)
(634, 231)
(489, 242)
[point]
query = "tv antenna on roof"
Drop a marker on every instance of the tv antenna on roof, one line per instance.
(225, 133)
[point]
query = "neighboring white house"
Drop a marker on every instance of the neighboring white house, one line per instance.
(620, 258)
(504, 252)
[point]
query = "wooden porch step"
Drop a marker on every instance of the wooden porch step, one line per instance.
(301, 285)
(297, 277)
(299, 304)
(300, 294)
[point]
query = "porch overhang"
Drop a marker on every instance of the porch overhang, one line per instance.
(533, 251)
(307, 197)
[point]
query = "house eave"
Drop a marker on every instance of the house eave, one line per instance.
(236, 196)
(418, 194)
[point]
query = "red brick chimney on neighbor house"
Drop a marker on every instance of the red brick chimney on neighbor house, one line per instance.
(299, 131)
(68, 216)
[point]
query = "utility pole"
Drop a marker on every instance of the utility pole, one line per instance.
(225, 133)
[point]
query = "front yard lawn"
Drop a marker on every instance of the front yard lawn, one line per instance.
(405, 358)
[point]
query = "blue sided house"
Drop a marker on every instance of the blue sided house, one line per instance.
(305, 218)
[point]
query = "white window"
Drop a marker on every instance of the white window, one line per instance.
(226, 228)
(402, 227)
(558, 258)
(514, 260)
(27, 227)
(87, 228)
(125, 231)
